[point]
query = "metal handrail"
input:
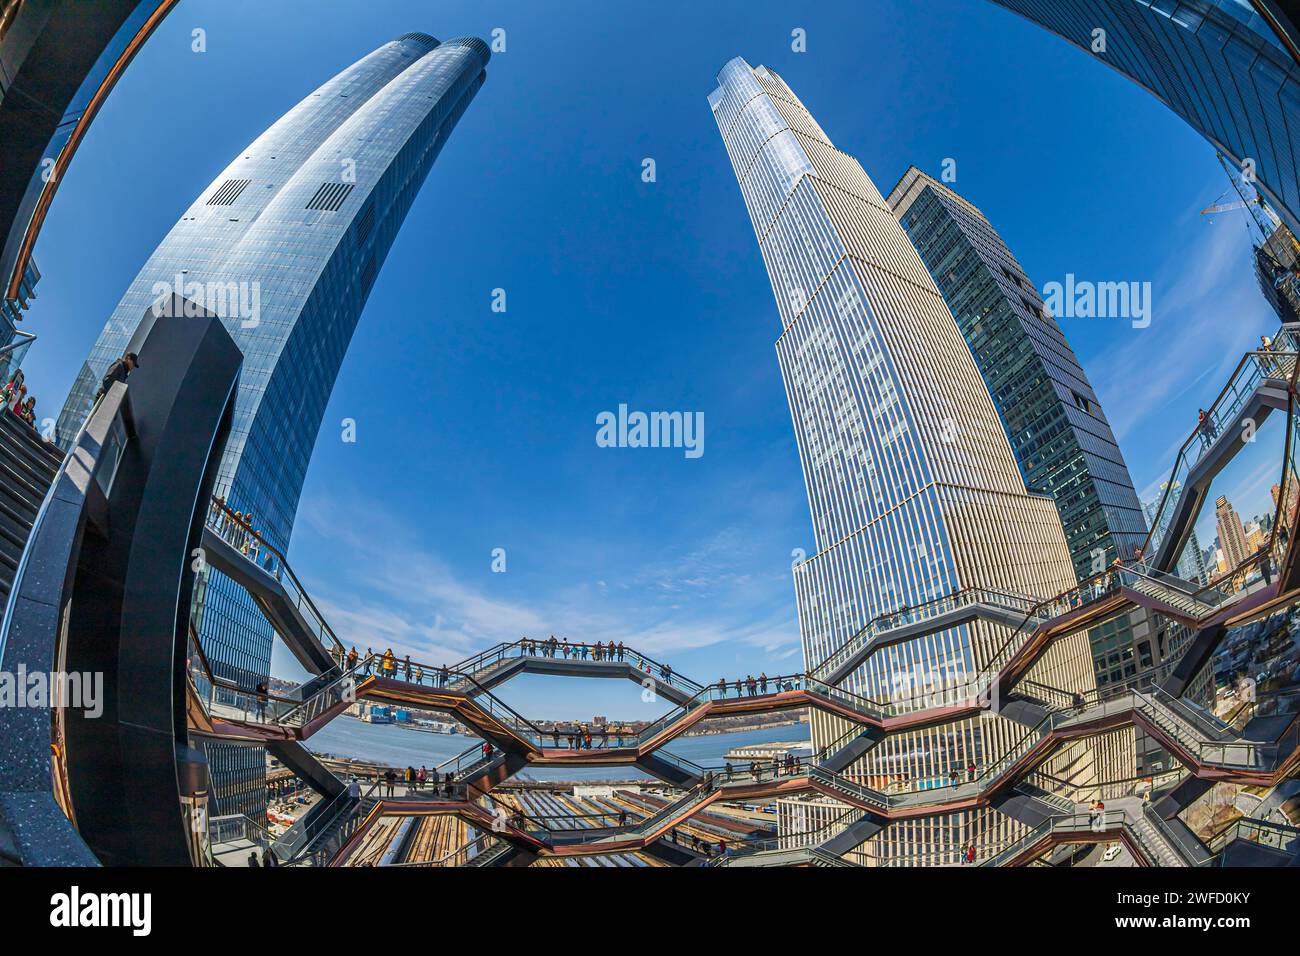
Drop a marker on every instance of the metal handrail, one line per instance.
(1250, 358)
(217, 507)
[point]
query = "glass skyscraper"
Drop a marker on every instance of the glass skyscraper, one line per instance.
(913, 488)
(285, 245)
(1058, 431)
(1218, 64)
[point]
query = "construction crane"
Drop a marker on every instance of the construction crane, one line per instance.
(1247, 198)
(1270, 227)
(1219, 207)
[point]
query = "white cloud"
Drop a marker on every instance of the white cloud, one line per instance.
(1208, 311)
(394, 591)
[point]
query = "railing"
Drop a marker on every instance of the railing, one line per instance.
(976, 688)
(1067, 824)
(490, 855)
(1057, 787)
(462, 855)
(1177, 843)
(1253, 369)
(1163, 711)
(225, 698)
(241, 536)
(468, 760)
(570, 834)
(1053, 800)
(688, 768)
(819, 857)
(12, 354)
(481, 664)
(852, 733)
(760, 687)
(947, 856)
(804, 840)
(1265, 833)
(237, 826)
(300, 839)
(343, 689)
(908, 616)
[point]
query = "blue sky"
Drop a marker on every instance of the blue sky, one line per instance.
(476, 429)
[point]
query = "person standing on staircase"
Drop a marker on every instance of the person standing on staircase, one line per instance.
(118, 372)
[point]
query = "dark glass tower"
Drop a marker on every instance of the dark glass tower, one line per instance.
(1059, 434)
(1222, 65)
(285, 245)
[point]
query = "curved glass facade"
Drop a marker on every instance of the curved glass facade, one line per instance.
(285, 245)
(1216, 63)
(912, 485)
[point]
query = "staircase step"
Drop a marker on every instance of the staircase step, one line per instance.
(27, 438)
(38, 473)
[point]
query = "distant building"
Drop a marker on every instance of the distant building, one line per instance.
(1192, 563)
(1232, 535)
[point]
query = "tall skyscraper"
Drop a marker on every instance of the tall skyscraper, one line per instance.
(1222, 65)
(1232, 534)
(285, 245)
(1058, 432)
(913, 488)
(1191, 563)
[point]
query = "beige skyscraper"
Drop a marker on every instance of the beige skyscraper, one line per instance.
(1232, 535)
(913, 488)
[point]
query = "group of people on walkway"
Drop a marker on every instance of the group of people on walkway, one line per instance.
(1100, 585)
(391, 666)
(759, 686)
(21, 405)
(551, 647)
(582, 737)
(699, 844)
(785, 766)
(417, 781)
(237, 528)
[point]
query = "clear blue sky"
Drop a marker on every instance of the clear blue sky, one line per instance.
(476, 429)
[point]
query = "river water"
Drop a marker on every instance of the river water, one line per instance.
(400, 746)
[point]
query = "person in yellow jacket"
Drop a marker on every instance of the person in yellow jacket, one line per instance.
(390, 665)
